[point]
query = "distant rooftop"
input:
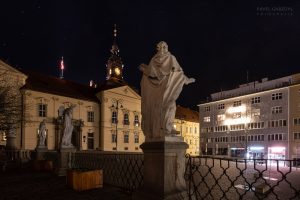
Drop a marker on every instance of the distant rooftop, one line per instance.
(186, 114)
(257, 86)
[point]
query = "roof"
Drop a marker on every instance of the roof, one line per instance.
(53, 85)
(113, 83)
(186, 114)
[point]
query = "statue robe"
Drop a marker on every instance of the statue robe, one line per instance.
(161, 85)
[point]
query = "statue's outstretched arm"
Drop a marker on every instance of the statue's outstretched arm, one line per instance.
(189, 80)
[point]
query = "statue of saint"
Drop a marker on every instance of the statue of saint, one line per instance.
(68, 127)
(161, 85)
(42, 133)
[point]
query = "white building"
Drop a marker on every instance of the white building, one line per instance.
(255, 120)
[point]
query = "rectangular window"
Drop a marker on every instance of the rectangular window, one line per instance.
(237, 103)
(206, 119)
(296, 121)
(90, 116)
(237, 115)
(221, 117)
(114, 118)
(276, 96)
(42, 110)
(255, 100)
(126, 119)
(206, 108)
(136, 120)
(256, 112)
(126, 137)
(276, 109)
(113, 137)
(136, 138)
(221, 106)
(195, 130)
(296, 136)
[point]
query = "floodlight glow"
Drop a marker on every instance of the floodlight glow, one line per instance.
(276, 149)
(241, 108)
(242, 120)
(256, 148)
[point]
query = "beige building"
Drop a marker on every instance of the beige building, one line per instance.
(106, 117)
(186, 124)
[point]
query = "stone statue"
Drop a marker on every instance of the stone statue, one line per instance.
(161, 85)
(42, 133)
(68, 127)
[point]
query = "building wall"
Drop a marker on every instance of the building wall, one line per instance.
(294, 113)
(128, 102)
(191, 133)
(234, 128)
(32, 120)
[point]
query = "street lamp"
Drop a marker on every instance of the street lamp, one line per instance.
(117, 101)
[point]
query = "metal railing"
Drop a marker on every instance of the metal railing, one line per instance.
(123, 170)
(220, 178)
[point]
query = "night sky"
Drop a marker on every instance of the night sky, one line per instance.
(216, 42)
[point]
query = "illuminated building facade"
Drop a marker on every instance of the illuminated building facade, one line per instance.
(255, 120)
(106, 116)
(186, 123)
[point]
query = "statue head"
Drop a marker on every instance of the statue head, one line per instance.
(162, 48)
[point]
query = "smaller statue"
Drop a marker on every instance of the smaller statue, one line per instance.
(42, 133)
(68, 127)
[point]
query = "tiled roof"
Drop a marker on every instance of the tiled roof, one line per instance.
(186, 114)
(53, 85)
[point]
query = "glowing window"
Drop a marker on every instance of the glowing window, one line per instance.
(206, 119)
(221, 117)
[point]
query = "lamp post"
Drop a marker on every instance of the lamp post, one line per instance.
(117, 101)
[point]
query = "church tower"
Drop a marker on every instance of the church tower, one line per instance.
(114, 64)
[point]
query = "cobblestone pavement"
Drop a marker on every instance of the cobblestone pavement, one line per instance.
(22, 185)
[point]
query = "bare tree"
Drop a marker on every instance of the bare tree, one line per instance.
(11, 107)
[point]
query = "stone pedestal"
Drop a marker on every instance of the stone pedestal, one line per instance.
(63, 160)
(41, 152)
(11, 141)
(164, 167)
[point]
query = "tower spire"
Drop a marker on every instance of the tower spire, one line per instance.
(114, 63)
(115, 49)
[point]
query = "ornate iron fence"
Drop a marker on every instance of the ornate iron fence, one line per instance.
(124, 170)
(220, 178)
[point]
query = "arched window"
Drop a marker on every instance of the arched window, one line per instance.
(114, 118)
(126, 119)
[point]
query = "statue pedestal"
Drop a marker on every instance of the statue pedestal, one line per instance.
(63, 160)
(41, 150)
(11, 141)
(164, 167)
